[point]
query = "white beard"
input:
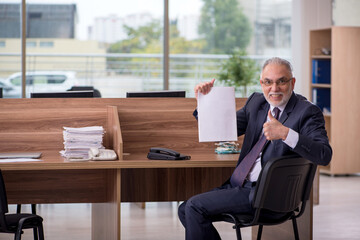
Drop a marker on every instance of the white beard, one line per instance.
(284, 100)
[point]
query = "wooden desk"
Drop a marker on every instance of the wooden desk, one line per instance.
(28, 125)
(168, 123)
(36, 125)
(132, 127)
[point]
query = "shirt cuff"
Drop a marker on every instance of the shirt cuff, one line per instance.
(292, 138)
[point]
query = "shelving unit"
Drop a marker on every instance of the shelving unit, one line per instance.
(343, 123)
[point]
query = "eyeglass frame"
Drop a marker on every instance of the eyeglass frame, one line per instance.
(279, 82)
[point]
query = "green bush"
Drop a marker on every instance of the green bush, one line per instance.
(239, 71)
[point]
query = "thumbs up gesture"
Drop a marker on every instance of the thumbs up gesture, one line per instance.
(274, 130)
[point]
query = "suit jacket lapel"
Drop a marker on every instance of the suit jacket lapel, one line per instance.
(288, 109)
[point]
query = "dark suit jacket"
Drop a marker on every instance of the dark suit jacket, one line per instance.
(300, 115)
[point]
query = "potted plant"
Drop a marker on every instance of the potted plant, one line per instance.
(239, 71)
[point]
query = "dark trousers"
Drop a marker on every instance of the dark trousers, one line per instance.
(196, 213)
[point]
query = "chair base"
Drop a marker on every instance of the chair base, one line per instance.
(260, 229)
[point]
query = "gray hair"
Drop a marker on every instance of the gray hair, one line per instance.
(278, 61)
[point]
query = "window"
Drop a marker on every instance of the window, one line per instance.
(40, 79)
(16, 81)
(46, 44)
(35, 15)
(118, 47)
(203, 36)
(30, 44)
(56, 79)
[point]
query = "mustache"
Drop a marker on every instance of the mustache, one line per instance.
(277, 93)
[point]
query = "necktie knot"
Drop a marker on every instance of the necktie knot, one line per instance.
(276, 113)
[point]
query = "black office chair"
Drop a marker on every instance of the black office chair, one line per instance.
(33, 211)
(15, 223)
(281, 193)
(97, 93)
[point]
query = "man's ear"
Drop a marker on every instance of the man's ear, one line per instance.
(293, 83)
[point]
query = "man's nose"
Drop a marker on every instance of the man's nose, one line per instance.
(274, 87)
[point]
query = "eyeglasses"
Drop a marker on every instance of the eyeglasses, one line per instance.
(279, 82)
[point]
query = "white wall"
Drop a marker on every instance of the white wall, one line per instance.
(306, 15)
(346, 12)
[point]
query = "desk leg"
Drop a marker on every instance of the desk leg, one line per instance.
(106, 216)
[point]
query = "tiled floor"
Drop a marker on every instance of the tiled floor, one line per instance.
(337, 217)
(338, 214)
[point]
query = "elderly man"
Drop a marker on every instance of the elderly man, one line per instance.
(276, 122)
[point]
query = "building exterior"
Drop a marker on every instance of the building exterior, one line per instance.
(43, 20)
(188, 26)
(107, 29)
(51, 42)
(47, 54)
(110, 29)
(271, 24)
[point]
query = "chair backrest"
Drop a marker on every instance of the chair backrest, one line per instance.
(86, 88)
(3, 203)
(284, 183)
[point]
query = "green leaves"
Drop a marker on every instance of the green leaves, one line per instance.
(139, 39)
(239, 71)
(224, 26)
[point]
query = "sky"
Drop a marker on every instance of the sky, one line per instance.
(88, 10)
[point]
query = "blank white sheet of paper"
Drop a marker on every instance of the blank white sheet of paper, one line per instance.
(217, 115)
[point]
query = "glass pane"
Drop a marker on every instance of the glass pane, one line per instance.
(204, 36)
(188, 65)
(131, 34)
(117, 46)
(10, 48)
(48, 44)
(113, 46)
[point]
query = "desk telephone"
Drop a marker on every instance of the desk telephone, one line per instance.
(165, 154)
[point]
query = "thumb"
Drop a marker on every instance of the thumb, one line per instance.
(212, 82)
(271, 117)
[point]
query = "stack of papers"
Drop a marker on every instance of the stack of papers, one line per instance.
(78, 141)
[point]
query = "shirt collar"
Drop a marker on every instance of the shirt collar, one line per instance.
(281, 108)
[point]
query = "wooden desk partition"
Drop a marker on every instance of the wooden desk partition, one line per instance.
(132, 127)
(37, 125)
(167, 123)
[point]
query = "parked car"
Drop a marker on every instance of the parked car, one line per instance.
(7, 91)
(39, 81)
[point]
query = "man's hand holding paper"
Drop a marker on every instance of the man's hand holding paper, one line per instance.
(216, 112)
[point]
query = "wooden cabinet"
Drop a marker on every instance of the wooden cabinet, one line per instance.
(343, 119)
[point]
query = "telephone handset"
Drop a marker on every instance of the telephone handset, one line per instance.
(165, 151)
(165, 154)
